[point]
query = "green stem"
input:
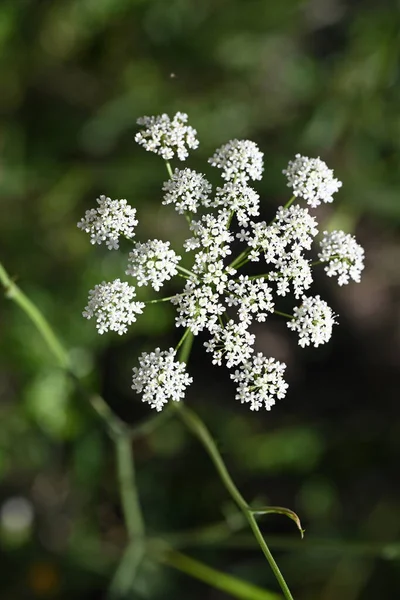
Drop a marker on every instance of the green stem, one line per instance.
(290, 202)
(157, 300)
(126, 477)
(282, 314)
(13, 292)
(229, 584)
(117, 430)
(169, 168)
(198, 428)
(186, 271)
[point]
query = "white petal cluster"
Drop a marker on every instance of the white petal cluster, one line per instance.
(211, 235)
(260, 381)
(253, 297)
(110, 220)
(198, 307)
(160, 378)
(231, 342)
(152, 263)
(167, 137)
(187, 190)
(264, 239)
(296, 227)
(112, 305)
(291, 270)
(216, 299)
(313, 321)
(239, 160)
(345, 257)
(239, 198)
(312, 180)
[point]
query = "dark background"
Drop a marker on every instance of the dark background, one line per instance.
(319, 77)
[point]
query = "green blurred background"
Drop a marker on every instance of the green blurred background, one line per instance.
(319, 77)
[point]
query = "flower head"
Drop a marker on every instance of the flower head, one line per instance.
(311, 179)
(111, 304)
(253, 297)
(152, 263)
(239, 198)
(108, 221)
(187, 190)
(198, 307)
(167, 137)
(345, 257)
(313, 320)
(260, 381)
(239, 160)
(232, 342)
(160, 378)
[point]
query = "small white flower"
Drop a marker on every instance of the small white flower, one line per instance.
(292, 269)
(239, 198)
(211, 234)
(260, 381)
(111, 304)
(296, 227)
(160, 378)
(311, 179)
(106, 223)
(152, 263)
(232, 342)
(198, 307)
(253, 297)
(165, 137)
(187, 190)
(239, 161)
(344, 255)
(313, 320)
(266, 239)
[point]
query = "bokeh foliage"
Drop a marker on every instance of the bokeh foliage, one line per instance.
(320, 77)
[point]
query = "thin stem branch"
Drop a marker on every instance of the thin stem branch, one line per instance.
(231, 585)
(282, 314)
(169, 168)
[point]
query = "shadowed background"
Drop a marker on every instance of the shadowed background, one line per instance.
(318, 77)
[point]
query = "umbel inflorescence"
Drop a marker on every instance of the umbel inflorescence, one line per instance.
(218, 297)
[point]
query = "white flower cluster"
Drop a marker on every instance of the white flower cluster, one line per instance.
(111, 304)
(166, 137)
(239, 160)
(160, 378)
(345, 257)
(260, 381)
(152, 263)
(187, 190)
(217, 299)
(311, 179)
(313, 321)
(108, 221)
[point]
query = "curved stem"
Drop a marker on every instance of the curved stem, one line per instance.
(196, 425)
(117, 430)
